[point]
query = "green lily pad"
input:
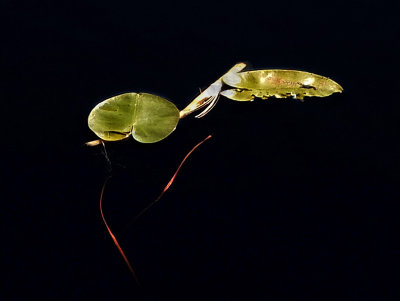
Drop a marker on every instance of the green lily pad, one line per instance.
(149, 118)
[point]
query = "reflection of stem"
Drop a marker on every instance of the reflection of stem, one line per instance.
(112, 235)
(98, 142)
(106, 155)
(145, 209)
(172, 179)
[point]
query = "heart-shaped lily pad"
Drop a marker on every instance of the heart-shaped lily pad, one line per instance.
(149, 118)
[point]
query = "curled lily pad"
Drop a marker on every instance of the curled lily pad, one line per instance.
(277, 83)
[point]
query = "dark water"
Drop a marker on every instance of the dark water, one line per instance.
(287, 201)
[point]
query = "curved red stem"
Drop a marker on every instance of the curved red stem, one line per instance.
(144, 210)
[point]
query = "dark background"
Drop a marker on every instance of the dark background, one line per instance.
(287, 201)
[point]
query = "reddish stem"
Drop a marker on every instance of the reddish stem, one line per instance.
(144, 210)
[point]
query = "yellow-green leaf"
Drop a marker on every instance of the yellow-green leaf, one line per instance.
(277, 83)
(148, 117)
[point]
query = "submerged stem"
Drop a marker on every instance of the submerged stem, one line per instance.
(144, 210)
(171, 180)
(113, 236)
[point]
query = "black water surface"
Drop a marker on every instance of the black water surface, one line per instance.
(287, 201)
